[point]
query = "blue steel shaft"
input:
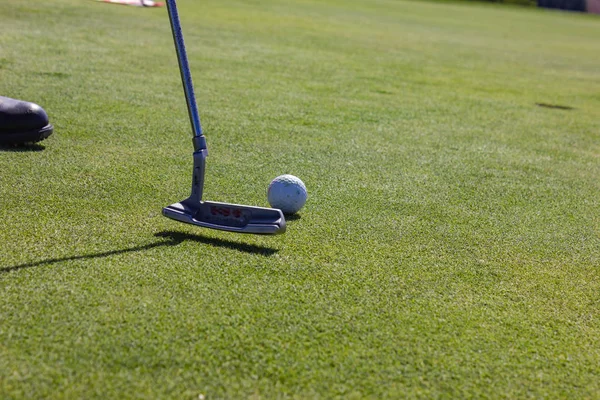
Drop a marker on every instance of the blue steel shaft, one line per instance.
(184, 68)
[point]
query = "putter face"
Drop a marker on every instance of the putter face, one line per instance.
(228, 217)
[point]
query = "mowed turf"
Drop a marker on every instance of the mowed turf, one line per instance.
(449, 248)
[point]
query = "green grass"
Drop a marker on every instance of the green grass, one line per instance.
(449, 248)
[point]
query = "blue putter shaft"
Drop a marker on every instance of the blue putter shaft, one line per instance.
(184, 68)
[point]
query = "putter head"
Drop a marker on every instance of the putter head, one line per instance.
(228, 217)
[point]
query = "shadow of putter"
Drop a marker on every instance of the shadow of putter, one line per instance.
(172, 239)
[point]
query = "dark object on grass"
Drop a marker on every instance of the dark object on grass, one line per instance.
(568, 5)
(22, 122)
(555, 106)
(193, 210)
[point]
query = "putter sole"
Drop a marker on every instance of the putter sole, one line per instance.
(228, 217)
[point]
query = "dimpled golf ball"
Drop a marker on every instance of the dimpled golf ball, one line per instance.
(288, 193)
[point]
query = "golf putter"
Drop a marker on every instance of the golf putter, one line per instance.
(210, 214)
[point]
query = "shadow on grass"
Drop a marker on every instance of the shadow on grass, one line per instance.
(554, 106)
(173, 239)
(178, 237)
(292, 217)
(26, 148)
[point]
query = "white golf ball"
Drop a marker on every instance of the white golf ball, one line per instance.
(288, 193)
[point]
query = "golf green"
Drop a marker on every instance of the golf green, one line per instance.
(449, 247)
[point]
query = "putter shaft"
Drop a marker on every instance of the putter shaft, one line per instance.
(184, 68)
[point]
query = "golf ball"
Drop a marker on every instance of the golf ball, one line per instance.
(288, 193)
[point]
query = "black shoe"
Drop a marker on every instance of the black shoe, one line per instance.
(22, 122)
